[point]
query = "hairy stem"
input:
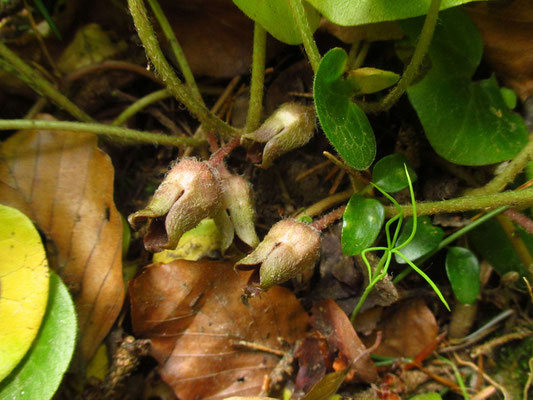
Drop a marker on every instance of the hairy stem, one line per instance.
(258, 77)
(498, 183)
(115, 133)
(169, 77)
(517, 198)
(13, 64)
(298, 12)
(176, 49)
(412, 69)
(140, 104)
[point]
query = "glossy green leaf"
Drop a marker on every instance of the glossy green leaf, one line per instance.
(426, 396)
(466, 122)
(358, 12)
(491, 242)
(361, 224)
(462, 268)
(426, 239)
(370, 80)
(343, 122)
(389, 173)
(276, 17)
(39, 373)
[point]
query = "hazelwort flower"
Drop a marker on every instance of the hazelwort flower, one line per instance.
(288, 249)
(190, 192)
(291, 126)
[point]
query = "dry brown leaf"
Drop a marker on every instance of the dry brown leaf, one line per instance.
(215, 35)
(334, 324)
(64, 183)
(408, 328)
(507, 30)
(194, 315)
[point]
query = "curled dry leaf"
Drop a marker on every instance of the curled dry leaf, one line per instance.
(408, 328)
(333, 323)
(64, 183)
(206, 338)
(507, 30)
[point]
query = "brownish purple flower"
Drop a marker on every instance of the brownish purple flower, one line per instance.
(288, 249)
(190, 192)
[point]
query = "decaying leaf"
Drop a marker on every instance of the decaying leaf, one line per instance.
(206, 338)
(334, 324)
(215, 35)
(64, 183)
(408, 328)
(507, 30)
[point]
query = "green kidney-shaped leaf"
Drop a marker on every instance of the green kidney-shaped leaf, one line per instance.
(358, 12)
(466, 122)
(276, 17)
(462, 268)
(361, 224)
(343, 122)
(389, 173)
(39, 373)
(426, 239)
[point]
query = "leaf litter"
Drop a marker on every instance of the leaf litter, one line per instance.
(64, 183)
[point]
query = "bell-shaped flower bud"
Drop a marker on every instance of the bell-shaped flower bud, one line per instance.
(238, 201)
(288, 249)
(190, 192)
(291, 126)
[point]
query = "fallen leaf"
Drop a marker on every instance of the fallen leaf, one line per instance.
(507, 30)
(24, 285)
(408, 328)
(195, 317)
(215, 35)
(313, 360)
(64, 183)
(334, 324)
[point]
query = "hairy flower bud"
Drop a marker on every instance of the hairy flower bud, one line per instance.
(288, 249)
(238, 200)
(190, 192)
(291, 126)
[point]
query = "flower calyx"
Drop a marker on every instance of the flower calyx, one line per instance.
(289, 248)
(291, 126)
(190, 192)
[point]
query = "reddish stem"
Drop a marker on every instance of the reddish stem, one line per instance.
(520, 219)
(328, 219)
(221, 153)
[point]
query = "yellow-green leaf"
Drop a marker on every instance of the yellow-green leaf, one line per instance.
(24, 283)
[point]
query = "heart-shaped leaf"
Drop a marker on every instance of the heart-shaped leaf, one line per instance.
(276, 17)
(462, 268)
(345, 13)
(39, 374)
(426, 239)
(389, 173)
(466, 123)
(361, 224)
(343, 122)
(23, 286)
